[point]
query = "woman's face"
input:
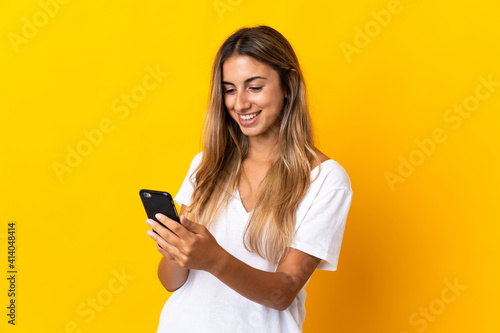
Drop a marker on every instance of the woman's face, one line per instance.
(253, 96)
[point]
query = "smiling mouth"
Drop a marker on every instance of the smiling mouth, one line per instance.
(249, 116)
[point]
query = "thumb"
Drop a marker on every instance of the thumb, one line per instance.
(188, 224)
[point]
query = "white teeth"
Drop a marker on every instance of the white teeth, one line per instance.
(249, 116)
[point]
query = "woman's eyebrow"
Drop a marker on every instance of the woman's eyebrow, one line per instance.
(247, 80)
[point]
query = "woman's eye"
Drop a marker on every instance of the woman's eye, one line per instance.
(228, 91)
(255, 88)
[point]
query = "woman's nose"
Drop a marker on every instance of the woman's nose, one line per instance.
(242, 103)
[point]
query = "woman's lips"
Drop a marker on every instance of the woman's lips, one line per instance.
(251, 118)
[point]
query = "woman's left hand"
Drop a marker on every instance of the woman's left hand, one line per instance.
(190, 244)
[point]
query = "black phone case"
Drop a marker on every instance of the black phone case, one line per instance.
(158, 202)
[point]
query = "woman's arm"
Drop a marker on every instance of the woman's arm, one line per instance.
(193, 246)
(171, 275)
(276, 290)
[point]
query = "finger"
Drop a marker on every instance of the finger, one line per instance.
(157, 238)
(160, 229)
(174, 226)
(164, 253)
(163, 246)
(170, 252)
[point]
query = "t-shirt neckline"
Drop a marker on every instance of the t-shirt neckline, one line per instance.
(240, 203)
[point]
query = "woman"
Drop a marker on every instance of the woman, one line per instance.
(261, 208)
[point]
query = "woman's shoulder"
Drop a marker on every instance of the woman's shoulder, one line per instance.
(331, 173)
(196, 159)
(195, 162)
(322, 158)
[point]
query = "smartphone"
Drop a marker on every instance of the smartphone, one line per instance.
(159, 202)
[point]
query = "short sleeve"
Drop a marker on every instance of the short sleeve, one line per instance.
(183, 197)
(322, 215)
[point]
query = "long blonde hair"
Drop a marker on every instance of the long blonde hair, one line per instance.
(271, 226)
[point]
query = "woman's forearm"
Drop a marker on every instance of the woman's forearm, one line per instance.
(171, 275)
(276, 290)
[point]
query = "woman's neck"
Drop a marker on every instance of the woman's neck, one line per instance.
(262, 149)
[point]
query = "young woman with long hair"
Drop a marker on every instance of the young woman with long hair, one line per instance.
(261, 207)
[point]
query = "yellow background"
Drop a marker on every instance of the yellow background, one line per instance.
(402, 245)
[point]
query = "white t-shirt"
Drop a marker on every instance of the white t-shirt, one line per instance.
(205, 304)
